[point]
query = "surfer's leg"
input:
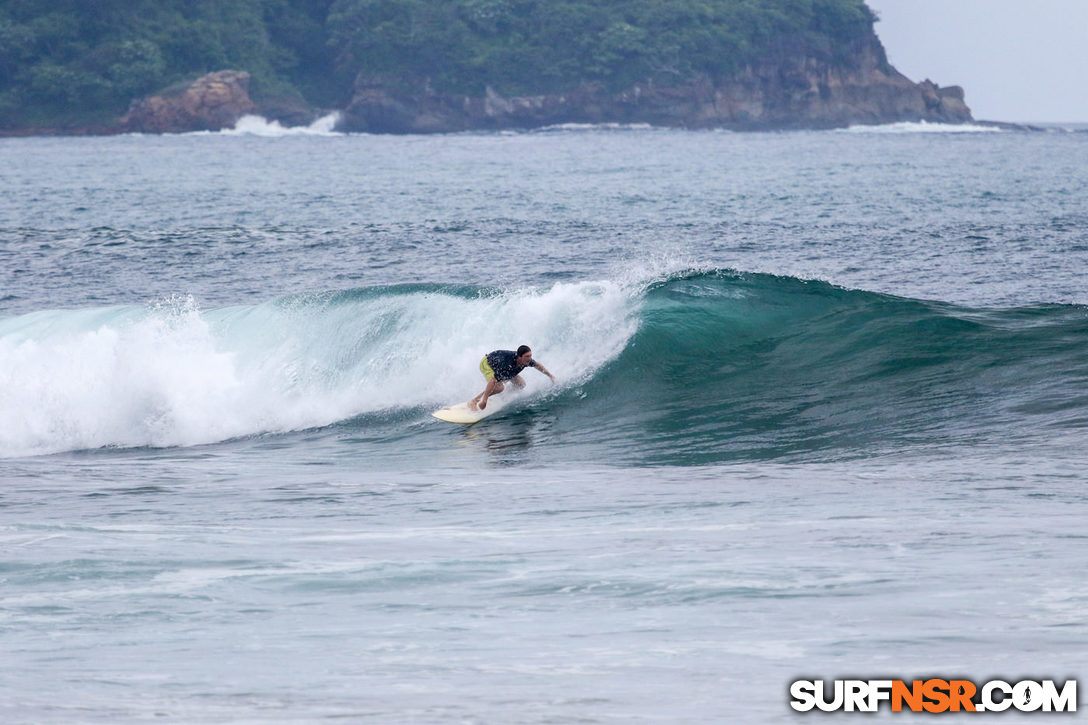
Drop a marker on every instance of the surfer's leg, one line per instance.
(518, 382)
(489, 376)
(494, 387)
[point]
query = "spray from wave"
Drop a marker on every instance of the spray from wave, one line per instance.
(174, 375)
(252, 125)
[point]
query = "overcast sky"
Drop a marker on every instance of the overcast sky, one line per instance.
(1018, 60)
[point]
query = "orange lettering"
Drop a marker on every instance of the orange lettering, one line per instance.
(961, 692)
(912, 695)
(936, 692)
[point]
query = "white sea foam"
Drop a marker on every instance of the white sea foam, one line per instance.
(923, 127)
(596, 127)
(259, 126)
(174, 375)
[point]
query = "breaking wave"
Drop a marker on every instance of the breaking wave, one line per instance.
(693, 367)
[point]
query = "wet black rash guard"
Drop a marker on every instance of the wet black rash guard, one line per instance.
(504, 364)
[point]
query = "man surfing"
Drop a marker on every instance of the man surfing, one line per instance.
(501, 366)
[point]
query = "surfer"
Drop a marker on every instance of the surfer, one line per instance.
(500, 366)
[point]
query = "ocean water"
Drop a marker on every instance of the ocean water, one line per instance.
(821, 412)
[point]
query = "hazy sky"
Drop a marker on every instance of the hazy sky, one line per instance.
(1018, 60)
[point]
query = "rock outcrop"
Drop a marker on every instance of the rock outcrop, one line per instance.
(782, 93)
(210, 103)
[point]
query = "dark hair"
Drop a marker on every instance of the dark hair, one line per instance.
(523, 349)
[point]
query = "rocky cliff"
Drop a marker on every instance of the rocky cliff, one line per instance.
(210, 103)
(781, 93)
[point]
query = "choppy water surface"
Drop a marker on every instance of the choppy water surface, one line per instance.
(820, 414)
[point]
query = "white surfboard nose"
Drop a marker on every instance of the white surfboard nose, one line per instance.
(461, 413)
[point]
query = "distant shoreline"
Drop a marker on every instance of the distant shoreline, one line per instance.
(286, 130)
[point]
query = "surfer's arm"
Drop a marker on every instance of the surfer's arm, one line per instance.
(544, 370)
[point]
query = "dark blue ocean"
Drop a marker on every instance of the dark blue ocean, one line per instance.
(821, 412)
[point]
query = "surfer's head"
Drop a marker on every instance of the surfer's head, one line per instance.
(524, 354)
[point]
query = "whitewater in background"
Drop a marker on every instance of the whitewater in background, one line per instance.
(923, 127)
(820, 413)
(260, 126)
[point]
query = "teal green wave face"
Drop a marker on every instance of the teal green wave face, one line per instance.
(729, 366)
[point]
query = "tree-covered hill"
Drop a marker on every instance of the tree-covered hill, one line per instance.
(70, 62)
(534, 46)
(78, 61)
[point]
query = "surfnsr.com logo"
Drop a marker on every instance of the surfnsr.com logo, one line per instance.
(933, 695)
